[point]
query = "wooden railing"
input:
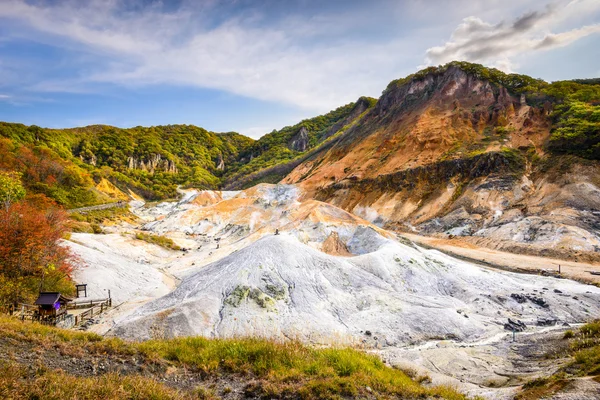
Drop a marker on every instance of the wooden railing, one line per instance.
(96, 307)
(28, 312)
(83, 210)
(77, 305)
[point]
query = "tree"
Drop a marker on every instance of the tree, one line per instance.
(11, 189)
(30, 250)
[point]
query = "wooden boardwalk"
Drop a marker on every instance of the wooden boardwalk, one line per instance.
(86, 310)
(79, 311)
(118, 204)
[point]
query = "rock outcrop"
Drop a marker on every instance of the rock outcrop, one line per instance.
(91, 159)
(220, 163)
(154, 163)
(299, 142)
(333, 245)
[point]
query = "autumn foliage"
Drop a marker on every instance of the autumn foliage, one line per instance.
(31, 257)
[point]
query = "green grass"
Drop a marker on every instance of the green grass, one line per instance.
(157, 240)
(274, 369)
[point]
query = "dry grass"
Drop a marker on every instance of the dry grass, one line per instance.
(18, 382)
(272, 369)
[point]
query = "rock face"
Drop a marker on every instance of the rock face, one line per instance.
(220, 163)
(299, 142)
(333, 245)
(153, 164)
(452, 154)
(89, 159)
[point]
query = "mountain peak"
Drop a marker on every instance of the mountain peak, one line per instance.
(515, 83)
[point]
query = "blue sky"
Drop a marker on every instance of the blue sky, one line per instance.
(254, 66)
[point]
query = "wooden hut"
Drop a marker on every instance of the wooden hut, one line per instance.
(51, 305)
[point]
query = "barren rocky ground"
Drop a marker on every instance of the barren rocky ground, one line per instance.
(328, 277)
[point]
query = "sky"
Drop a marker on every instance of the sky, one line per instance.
(252, 66)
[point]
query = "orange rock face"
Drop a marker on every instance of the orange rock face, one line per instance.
(453, 154)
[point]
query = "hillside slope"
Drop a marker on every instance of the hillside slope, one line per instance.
(150, 161)
(77, 365)
(462, 150)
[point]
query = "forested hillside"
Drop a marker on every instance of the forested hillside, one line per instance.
(68, 164)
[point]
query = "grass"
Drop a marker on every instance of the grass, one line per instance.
(91, 221)
(584, 348)
(273, 369)
(157, 240)
(17, 382)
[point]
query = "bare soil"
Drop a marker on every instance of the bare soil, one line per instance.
(509, 261)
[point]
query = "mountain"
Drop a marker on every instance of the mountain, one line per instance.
(460, 150)
(69, 164)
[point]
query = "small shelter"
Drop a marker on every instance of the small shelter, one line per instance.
(51, 304)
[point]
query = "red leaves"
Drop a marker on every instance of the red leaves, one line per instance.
(29, 240)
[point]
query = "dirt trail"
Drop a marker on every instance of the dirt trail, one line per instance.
(509, 261)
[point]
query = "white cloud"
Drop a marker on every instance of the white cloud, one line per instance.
(266, 61)
(500, 43)
(255, 132)
(291, 60)
(4, 96)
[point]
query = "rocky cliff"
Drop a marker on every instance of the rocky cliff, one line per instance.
(299, 141)
(153, 163)
(448, 152)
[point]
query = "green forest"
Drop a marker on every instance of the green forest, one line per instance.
(66, 164)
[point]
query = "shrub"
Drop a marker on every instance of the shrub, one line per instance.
(157, 240)
(569, 334)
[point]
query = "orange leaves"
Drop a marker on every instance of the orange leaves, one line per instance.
(29, 240)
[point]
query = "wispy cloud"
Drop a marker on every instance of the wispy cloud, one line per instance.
(500, 43)
(316, 62)
(267, 61)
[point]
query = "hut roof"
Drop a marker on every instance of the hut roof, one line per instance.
(49, 298)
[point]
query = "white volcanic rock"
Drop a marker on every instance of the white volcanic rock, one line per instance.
(279, 287)
(239, 279)
(129, 268)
